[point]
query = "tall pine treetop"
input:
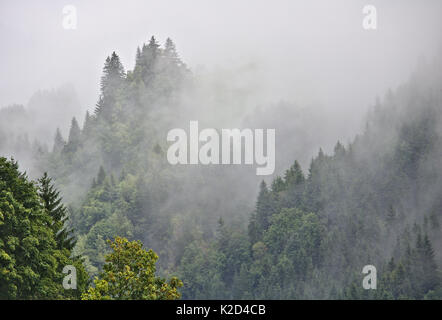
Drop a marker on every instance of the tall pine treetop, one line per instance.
(52, 203)
(113, 73)
(59, 142)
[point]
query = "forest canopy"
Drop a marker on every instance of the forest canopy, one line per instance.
(306, 233)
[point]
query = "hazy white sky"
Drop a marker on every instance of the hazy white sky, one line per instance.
(301, 50)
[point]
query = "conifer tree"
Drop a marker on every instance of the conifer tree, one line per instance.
(101, 176)
(59, 142)
(153, 47)
(294, 175)
(113, 74)
(265, 208)
(31, 261)
(430, 270)
(278, 184)
(339, 150)
(170, 53)
(52, 203)
(87, 126)
(111, 82)
(74, 139)
(138, 56)
(149, 59)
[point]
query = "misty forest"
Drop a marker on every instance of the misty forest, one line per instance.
(97, 192)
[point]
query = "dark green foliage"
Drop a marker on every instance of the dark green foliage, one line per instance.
(311, 231)
(265, 208)
(31, 259)
(111, 81)
(74, 139)
(53, 205)
(359, 199)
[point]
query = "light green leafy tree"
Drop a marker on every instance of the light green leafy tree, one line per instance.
(129, 274)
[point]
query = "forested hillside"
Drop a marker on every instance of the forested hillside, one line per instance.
(305, 234)
(376, 201)
(26, 132)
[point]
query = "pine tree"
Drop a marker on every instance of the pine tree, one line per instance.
(265, 208)
(294, 175)
(99, 106)
(278, 184)
(339, 150)
(170, 53)
(87, 126)
(149, 59)
(31, 263)
(112, 81)
(74, 139)
(101, 176)
(431, 277)
(59, 142)
(138, 56)
(58, 212)
(113, 74)
(153, 47)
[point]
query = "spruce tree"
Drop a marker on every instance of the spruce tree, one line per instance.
(87, 126)
(153, 47)
(170, 53)
(111, 83)
(138, 56)
(431, 277)
(101, 176)
(265, 208)
(31, 261)
(74, 139)
(294, 175)
(148, 65)
(52, 203)
(113, 74)
(278, 184)
(59, 142)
